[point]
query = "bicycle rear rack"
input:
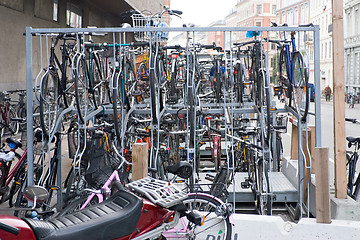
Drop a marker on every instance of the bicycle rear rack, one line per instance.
(157, 191)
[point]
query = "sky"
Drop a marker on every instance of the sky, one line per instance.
(200, 12)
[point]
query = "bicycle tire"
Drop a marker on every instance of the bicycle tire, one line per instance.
(356, 192)
(284, 77)
(13, 124)
(84, 101)
(3, 173)
(116, 100)
(49, 102)
(211, 206)
(153, 96)
(219, 184)
(218, 81)
(15, 186)
(268, 118)
(240, 83)
(73, 185)
(300, 86)
(99, 89)
(21, 202)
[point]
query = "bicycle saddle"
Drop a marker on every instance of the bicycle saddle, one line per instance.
(17, 143)
(353, 140)
(182, 169)
(114, 218)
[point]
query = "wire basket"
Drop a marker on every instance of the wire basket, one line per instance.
(142, 21)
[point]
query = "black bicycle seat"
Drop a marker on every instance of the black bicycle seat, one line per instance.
(182, 169)
(353, 139)
(17, 143)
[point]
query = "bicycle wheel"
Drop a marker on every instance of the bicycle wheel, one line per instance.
(239, 82)
(284, 77)
(21, 201)
(75, 183)
(14, 185)
(266, 102)
(98, 82)
(83, 97)
(356, 193)
(216, 222)
(49, 102)
(300, 86)
(116, 101)
(3, 173)
(153, 95)
(13, 124)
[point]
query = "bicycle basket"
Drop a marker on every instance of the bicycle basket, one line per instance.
(142, 21)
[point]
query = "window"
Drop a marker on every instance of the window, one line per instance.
(55, 10)
(322, 51)
(258, 24)
(296, 16)
(330, 50)
(290, 17)
(273, 11)
(258, 8)
(283, 20)
(73, 16)
(325, 50)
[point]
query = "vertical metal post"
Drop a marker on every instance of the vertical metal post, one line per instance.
(29, 108)
(317, 86)
(300, 166)
(58, 174)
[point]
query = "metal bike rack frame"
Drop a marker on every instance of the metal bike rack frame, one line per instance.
(30, 32)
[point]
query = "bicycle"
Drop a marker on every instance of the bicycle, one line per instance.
(9, 119)
(56, 90)
(294, 75)
(352, 157)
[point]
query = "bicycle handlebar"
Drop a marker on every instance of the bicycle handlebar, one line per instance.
(353, 120)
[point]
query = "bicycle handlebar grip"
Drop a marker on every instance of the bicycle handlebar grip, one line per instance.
(178, 12)
(307, 25)
(207, 46)
(172, 47)
(139, 44)
(353, 120)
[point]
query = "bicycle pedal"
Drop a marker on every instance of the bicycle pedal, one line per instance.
(245, 184)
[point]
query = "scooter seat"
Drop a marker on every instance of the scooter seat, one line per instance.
(114, 218)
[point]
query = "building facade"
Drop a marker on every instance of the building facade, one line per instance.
(217, 37)
(321, 14)
(352, 46)
(259, 13)
(294, 13)
(15, 15)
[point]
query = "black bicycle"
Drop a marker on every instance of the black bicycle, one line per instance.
(352, 157)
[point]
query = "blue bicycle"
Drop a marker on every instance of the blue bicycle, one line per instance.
(294, 75)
